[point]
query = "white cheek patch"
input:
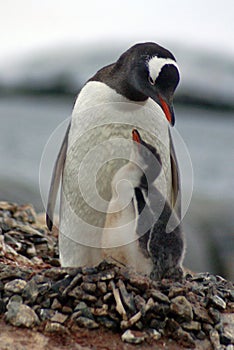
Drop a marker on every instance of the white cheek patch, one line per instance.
(156, 64)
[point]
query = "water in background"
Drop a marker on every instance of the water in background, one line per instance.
(27, 123)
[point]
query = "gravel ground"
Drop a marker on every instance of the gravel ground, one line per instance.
(104, 307)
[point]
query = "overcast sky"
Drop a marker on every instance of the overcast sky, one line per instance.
(26, 25)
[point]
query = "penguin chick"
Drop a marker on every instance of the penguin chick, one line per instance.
(162, 242)
(138, 215)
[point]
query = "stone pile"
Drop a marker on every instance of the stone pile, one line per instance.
(61, 300)
(23, 239)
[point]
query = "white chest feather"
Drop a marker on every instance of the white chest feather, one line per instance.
(120, 240)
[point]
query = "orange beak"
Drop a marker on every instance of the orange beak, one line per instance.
(168, 110)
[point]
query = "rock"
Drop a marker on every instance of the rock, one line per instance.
(79, 294)
(46, 314)
(31, 251)
(201, 314)
(59, 318)
(15, 286)
(177, 333)
(107, 275)
(175, 291)
(231, 307)
(226, 338)
(15, 298)
(2, 307)
(102, 287)
(228, 323)
(199, 277)
(107, 322)
(149, 305)
(140, 303)
(56, 305)
(53, 327)
(89, 270)
(214, 339)
(160, 309)
(207, 327)
(101, 276)
(158, 324)
(139, 281)
(8, 223)
(102, 311)
(60, 286)
(191, 326)
(84, 310)
(218, 302)
(215, 315)
(159, 296)
(154, 334)
(184, 338)
(67, 310)
(219, 327)
(230, 347)
(171, 326)
(86, 322)
(12, 207)
(107, 295)
(201, 335)
(2, 245)
(89, 287)
(25, 213)
(139, 326)
(231, 295)
(21, 315)
(31, 291)
(46, 303)
(182, 308)
(133, 337)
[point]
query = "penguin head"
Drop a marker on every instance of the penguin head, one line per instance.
(153, 72)
(147, 158)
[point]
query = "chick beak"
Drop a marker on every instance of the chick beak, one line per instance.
(168, 110)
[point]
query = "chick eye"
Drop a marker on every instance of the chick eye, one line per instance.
(151, 80)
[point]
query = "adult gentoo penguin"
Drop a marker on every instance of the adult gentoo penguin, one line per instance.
(138, 213)
(135, 91)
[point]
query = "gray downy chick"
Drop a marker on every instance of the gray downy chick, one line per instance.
(163, 242)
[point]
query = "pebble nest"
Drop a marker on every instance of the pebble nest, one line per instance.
(35, 292)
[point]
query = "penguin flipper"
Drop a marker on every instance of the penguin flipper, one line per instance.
(55, 180)
(176, 183)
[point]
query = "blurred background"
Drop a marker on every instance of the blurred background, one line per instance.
(49, 48)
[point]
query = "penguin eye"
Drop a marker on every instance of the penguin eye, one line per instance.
(152, 82)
